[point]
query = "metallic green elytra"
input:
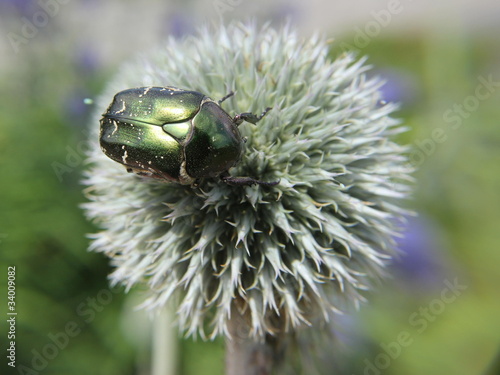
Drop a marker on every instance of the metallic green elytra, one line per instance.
(174, 135)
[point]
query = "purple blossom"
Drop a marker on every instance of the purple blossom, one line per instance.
(400, 86)
(422, 264)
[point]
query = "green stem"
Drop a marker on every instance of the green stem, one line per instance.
(164, 353)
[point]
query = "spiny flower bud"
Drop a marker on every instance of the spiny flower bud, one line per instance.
(288, 254)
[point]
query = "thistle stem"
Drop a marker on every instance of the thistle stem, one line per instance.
(244, 355)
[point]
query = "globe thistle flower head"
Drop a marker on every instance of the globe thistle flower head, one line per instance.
(286, 255)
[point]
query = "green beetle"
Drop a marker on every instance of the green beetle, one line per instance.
(174, 135)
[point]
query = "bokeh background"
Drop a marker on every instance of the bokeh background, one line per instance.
(440, 311)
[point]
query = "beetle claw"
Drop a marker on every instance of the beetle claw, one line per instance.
(250, 117)
(246, 181)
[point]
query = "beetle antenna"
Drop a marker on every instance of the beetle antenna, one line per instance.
(231, 93)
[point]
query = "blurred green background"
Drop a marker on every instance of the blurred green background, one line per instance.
(436, 59)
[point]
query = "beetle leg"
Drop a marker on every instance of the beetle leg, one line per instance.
(250, 117)
(231, 93)
(245, 181)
